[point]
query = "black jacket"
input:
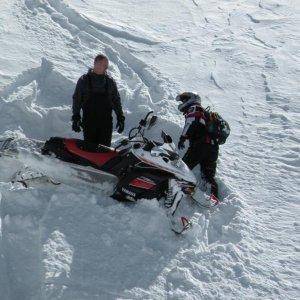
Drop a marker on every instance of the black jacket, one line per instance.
(98, 83)
(195, 128)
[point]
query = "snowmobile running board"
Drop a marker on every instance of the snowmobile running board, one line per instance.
(91, 171)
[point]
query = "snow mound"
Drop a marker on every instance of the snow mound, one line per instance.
(36, 99)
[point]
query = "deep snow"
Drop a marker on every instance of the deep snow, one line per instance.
(73, 241)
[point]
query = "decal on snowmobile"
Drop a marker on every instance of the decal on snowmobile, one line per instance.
(143, 183)
(130, 193)
(175, 170)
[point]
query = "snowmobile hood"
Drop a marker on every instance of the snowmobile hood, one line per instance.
(178, 168)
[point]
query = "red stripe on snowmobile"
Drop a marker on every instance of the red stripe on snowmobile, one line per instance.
(98, 159)
(143, 184)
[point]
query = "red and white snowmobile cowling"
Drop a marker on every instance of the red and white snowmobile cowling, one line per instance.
(138, 167)
(143, 168)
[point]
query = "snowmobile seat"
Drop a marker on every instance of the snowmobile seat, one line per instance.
(91, 147)
(97, 155)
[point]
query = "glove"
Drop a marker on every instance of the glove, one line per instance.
(181, 143)
(120, 124)
(76, 119)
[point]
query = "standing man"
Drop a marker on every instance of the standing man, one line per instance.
(204, 148)
(96, 94)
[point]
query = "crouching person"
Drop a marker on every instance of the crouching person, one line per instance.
(205, 131)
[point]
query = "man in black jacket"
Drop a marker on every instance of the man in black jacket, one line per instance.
(96, 94)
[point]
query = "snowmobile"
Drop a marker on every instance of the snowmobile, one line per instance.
(142, 168)
(145, 169)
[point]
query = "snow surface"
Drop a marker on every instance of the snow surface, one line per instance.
(74, 242)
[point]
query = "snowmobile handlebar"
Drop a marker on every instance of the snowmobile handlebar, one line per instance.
(131, 135)
(142, 124)
(139, 131)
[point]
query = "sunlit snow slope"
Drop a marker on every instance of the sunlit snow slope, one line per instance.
(74, 242)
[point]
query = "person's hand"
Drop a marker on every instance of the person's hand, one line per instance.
(181, 143)
(120, 124)
(76, 123)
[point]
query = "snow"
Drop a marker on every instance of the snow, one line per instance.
(74, 242)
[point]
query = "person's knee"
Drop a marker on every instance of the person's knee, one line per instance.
(208, 172)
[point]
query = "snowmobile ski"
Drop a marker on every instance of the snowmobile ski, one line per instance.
(27, 177)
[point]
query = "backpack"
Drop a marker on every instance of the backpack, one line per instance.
(217, 128)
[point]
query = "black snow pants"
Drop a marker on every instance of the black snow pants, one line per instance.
(206, 156)
(98, 134)
(97, 118)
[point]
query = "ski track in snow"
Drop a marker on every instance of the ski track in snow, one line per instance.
(70, 243)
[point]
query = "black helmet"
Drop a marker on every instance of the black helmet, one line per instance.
(187, 99)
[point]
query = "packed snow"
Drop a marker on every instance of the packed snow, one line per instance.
(72, 241)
